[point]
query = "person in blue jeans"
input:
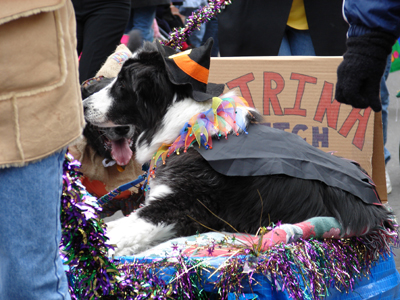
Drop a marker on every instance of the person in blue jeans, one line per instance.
(186, 9)
(285, 27)
(299, 34)
(40, 115)
(296, 42)
(212, 31)
(385, 106)
(142, 15)
(30, 231)
(206, 30)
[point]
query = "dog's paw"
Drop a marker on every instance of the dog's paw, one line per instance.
(131, 235)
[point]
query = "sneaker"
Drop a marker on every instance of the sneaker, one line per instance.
(388, 183)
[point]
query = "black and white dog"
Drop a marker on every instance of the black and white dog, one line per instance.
(146, 105)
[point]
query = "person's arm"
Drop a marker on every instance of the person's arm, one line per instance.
(374, 28)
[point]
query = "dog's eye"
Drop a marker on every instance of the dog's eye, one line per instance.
(121, 85)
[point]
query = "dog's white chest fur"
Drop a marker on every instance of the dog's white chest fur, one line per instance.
(175, 118)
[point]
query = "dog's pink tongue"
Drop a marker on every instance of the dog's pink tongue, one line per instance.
(121, 152)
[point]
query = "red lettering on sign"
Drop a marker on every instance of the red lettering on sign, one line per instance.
(327, 106)
(303, 79)
(350, 121)
(270, 93)
(241, 83)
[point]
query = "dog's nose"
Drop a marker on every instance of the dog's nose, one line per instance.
(85, 102)
(121, 130)
(85, 106)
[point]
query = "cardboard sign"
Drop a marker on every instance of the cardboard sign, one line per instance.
(296, 94)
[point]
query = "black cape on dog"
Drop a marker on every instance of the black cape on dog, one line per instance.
(269, 151)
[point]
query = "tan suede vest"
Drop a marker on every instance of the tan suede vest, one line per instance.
(40, 101)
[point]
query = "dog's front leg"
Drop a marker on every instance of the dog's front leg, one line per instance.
(133, 234)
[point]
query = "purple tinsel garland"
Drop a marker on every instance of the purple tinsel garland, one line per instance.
(198, 17)
(305, 269)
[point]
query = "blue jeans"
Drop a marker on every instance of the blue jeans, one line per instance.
(142, 18)
(212, 31)
(196, 38)
(385, 106)
(30, 231)
(296, 42)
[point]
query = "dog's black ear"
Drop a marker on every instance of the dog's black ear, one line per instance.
(165, 50)
(149, 47)
(94, 85)
(215, 88)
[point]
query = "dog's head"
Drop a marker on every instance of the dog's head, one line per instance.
(103, 140)
(133, 102)
(133, 106)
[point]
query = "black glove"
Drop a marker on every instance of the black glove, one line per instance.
(360, 73)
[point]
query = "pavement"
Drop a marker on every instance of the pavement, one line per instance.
(392, 144)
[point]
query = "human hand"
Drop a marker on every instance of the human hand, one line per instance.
(359, 75)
